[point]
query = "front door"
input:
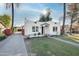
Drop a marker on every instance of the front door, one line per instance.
(42, 29)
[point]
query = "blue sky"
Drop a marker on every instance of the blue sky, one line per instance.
(32, 11)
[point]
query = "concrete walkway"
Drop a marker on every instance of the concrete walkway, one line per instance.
(13, 46)
(66, 41)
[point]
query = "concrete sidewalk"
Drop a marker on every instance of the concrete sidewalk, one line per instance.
(13, 46)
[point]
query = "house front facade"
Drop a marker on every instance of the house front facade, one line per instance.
(35, 29)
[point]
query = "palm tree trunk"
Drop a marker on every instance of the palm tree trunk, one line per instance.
(64, 17)
(71, 26)
(12, 17)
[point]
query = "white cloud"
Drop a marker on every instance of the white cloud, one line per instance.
(29, 9)
(2, 4)
(31, 18)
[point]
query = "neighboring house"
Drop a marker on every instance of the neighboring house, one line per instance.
(75, 27)
(2, 27)
(67, 28)
(18, 29)
(35, 29)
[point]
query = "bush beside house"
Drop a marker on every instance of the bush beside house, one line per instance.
(7, 32)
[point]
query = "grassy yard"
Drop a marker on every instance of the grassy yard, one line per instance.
(48, 46)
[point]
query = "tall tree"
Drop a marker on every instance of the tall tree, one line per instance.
(64, 17)
(73, 12)
(46, 17)
(42, 18)
(8, 5)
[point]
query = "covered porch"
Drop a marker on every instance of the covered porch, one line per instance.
(44, 29)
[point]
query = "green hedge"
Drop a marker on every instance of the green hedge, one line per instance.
(2, 38)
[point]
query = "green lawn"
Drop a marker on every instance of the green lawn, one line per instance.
(48, 46)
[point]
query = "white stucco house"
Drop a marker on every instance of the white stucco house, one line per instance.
(35, 29)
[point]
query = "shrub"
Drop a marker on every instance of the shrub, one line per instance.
(7, 32)
(39, 33)
(2, 38)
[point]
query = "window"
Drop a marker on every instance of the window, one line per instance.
(55, 23)
(36, 28)
(33, 29)
(54, 29)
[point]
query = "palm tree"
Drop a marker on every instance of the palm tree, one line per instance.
(64, 17)
(8, 5)
(12, 17)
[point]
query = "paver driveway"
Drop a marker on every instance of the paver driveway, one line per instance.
(13, 46)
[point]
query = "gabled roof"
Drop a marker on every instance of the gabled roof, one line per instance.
(45, 24)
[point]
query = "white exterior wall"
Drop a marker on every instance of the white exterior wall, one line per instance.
(52, 24)
(28, 28)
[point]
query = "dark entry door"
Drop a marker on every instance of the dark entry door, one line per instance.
(42, 29)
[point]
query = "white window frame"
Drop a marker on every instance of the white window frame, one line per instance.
(35, 28)
(55, 28)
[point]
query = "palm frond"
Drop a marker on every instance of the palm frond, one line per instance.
(8, 5)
